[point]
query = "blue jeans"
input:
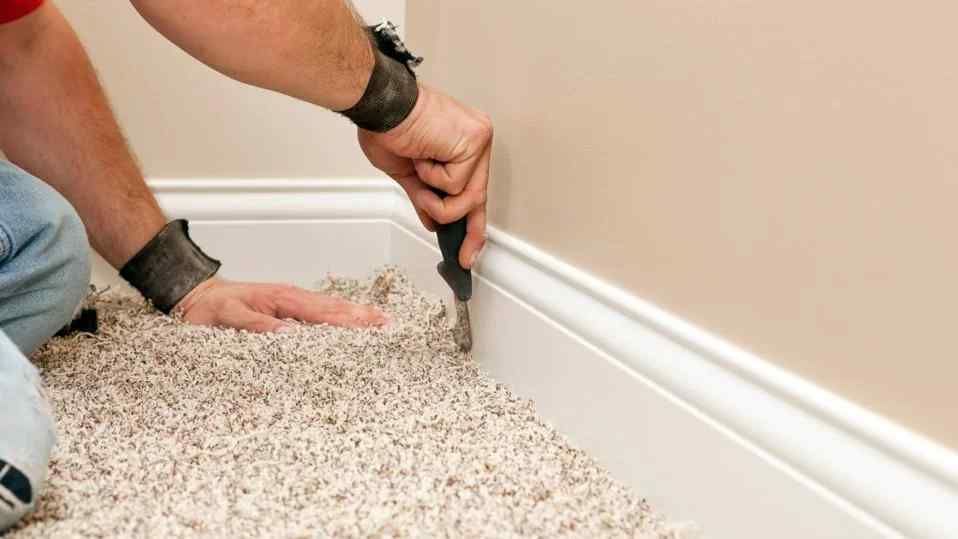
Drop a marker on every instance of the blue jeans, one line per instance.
(44, 274)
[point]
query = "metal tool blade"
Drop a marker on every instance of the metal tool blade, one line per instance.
(462, 330)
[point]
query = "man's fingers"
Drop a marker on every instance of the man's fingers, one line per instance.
(449, 209)
(412, 186)
(476, 222)
(475, 237)
(454, 207)
(451, 178)
(239, 316)
(435, 174)
(428, 222)
(358, 315)
(316, 308)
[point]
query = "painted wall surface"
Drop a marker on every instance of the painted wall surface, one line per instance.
(185, 120)
(784, 174)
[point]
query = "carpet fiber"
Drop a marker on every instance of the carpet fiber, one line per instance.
(168, 429)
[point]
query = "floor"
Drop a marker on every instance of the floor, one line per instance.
(171, 430)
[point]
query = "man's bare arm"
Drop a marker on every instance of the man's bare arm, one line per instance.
(56, 124)
(313, 50)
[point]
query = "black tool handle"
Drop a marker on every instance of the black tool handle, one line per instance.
(450, 237)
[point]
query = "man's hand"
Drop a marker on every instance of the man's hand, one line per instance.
(442, 144)
(264, 307)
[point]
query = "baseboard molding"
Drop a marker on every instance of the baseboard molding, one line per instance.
(276, 199)
(339, 226)
(706, 430)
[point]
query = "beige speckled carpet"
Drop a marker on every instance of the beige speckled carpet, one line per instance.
(170, 430)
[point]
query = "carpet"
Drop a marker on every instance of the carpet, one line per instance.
(173, 430)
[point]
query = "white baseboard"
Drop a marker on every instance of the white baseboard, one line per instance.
(291, 230)
(705, 430)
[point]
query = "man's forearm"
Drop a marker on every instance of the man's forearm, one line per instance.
(313, 50)
(55, 123)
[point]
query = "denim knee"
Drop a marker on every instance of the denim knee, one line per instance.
(44, 258)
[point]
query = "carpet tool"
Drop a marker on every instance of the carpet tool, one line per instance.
(459, 279)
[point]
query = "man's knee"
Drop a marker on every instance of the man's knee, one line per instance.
(44, 254)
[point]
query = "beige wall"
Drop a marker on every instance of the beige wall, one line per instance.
(185, 120)
(782, 173)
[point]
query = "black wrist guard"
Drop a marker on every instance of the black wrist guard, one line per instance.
(392, 91)
(169, 266)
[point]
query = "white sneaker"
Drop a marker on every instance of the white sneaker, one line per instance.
(16, 495)
(27, 434)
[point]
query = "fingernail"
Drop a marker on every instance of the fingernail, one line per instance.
(285, 328)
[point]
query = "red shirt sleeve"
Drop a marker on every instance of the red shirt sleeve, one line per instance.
(11, 10)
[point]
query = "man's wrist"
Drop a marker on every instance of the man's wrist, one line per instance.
(389, 97)
(169, 266)
(392, 90)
